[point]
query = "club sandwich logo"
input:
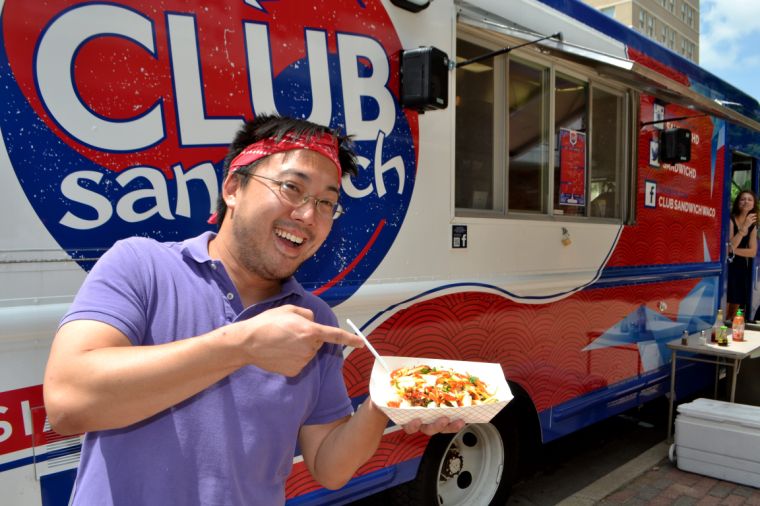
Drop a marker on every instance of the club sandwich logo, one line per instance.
(118, 115)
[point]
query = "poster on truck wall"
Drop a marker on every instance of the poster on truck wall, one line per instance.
(572, 167)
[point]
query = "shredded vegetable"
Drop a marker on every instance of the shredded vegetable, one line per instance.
(426, 386)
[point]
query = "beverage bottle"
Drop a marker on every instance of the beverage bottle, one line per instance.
(716, 326)
(722, 336)
(737, 326)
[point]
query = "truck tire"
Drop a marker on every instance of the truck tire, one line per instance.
(475, 467)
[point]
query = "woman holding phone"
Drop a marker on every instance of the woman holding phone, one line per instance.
(742, 249)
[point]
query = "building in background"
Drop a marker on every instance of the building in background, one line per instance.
(672, 23)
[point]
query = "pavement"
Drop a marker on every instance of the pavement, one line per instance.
(652, 479)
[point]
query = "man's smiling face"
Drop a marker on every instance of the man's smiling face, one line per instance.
(273, 237)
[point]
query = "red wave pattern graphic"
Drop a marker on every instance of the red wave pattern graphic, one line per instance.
(395, 448)
(539, 346)
(300, 481)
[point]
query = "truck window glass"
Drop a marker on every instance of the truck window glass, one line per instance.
(607, 153)
(570, 114)
(565, 147)
(528, 137)
(475, 176)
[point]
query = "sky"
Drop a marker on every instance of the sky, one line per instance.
(729, 42)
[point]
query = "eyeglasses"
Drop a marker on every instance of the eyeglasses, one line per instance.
(295, 195)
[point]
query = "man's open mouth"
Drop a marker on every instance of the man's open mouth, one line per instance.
(296, 240)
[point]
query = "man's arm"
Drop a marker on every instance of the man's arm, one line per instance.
(96, 380)
(333, 452)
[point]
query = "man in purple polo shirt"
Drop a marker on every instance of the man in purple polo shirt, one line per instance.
(195, 367)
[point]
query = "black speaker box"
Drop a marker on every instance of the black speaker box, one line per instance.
(424, 79)
(675, 145)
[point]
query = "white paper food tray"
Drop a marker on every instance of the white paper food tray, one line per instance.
(381, 391)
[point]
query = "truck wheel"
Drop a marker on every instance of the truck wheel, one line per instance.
(474, 467)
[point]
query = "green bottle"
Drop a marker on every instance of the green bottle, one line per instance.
(723, 336)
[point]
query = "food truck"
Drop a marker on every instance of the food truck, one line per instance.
(539, 187)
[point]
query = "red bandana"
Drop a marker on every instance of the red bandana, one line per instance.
(325, 144)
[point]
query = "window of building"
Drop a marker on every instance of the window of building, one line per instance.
(642, 19)
(535, 138)
(690, 49)
(610, 11)
(668, 36)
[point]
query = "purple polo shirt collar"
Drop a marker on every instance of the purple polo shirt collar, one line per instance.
(196, 248)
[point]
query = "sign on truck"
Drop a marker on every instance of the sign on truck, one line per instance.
(525, 212)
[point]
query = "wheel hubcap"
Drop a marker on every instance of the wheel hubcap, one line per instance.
(471, 468)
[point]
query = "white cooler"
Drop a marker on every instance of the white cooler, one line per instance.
(719, 439)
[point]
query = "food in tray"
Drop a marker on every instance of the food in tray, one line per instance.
(437, 387)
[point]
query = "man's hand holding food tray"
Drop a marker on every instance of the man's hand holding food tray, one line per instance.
(427, 389)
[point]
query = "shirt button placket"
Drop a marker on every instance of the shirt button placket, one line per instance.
(228, 310)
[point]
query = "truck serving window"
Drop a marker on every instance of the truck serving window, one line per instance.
(538, 137)
(528, 139)
(477, 183)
